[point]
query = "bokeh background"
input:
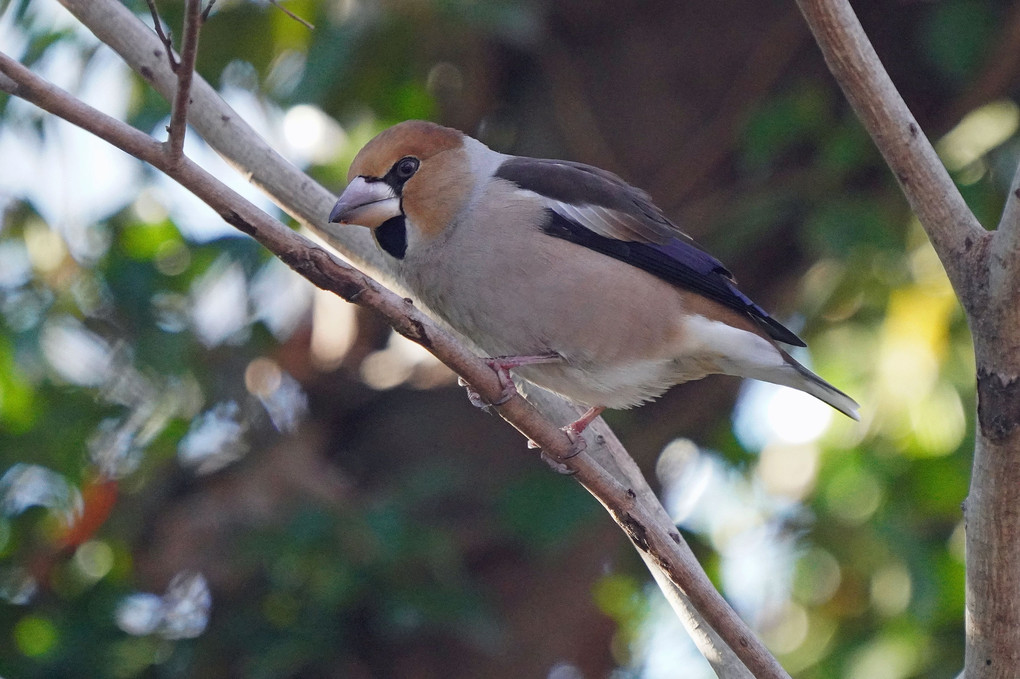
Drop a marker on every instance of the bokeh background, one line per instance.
(209, 469)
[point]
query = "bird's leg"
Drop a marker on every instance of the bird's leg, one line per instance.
(502, 365)
(574, 429)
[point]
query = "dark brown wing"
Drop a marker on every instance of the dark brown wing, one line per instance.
(597, 209)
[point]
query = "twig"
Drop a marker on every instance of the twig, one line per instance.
(295, 17)
(164, 37)
(207, 10)
(1004, 251)
(185, 74)
(649, 532)
(933, 196)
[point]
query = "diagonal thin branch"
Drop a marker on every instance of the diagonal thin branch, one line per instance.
(185, 74)
(307, 24)
(654, 535)
(223, 129)
(933, 196)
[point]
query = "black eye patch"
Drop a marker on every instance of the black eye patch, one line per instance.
(401, 171)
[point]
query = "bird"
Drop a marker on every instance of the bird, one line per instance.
(561, 272)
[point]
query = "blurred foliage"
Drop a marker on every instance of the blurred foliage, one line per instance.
(126, 395)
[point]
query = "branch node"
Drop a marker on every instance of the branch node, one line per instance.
(637, 532)
(998, 405)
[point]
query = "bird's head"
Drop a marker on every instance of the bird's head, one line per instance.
(408, 183)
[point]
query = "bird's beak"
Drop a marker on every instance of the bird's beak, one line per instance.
(366, 203)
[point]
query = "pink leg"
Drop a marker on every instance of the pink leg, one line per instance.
(574, 429)
(502, 365)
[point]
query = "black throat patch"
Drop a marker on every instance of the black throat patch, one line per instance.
(391, 236)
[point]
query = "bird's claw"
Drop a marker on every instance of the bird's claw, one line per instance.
(557, 466)
(502, 365)
(577, 446)
(473, 396)
(509, 390)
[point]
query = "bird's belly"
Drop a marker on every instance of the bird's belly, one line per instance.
(618, 386)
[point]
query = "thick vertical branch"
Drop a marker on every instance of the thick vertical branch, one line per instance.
(983, 269)
(992, 510)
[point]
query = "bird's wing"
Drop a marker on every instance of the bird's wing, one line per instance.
(597, 209)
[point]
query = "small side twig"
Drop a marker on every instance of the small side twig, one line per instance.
(207, 10)
(295, 17)
(164, 36)
(1004, 267)
(185, 73)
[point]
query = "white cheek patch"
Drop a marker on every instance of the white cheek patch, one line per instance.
(374, 214)
(732, 349)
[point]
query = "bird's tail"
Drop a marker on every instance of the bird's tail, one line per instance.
(797, 376)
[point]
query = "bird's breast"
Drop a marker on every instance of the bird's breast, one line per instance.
(513, 290)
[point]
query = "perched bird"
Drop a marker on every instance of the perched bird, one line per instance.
(563, 272)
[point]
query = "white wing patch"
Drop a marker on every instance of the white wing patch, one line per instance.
(607, 222)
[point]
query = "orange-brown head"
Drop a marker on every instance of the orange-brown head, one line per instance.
(415, 175)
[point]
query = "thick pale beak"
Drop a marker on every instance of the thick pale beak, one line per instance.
(366, 204)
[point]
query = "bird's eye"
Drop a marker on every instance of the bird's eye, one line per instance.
(406, 167)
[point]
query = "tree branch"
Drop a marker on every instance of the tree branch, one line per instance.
(984, 269)
(7, 85)
(185, 74)
(646, 524)
(306, 201)
(933, 196)
(220, 126)
(1004, 252)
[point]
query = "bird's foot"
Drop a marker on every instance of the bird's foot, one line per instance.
(577, 443)
(502, 365)
(577, 446)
